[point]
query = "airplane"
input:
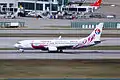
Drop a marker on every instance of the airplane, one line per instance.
(97, 3)
(91, 8)
(59, 44)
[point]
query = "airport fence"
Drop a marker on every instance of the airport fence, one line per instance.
(89, 25)
(11, 24)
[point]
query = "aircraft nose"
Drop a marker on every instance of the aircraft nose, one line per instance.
(17, 45)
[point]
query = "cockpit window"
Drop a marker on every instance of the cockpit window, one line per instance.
(18, 43)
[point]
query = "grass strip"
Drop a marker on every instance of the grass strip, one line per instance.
(60, 68)
(87, 48)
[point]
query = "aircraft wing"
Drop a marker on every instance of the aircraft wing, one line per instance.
(52, 48)
(55, 48)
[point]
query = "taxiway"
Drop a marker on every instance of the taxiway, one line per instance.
(67, 54)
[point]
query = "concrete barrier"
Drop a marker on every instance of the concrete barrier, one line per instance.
(90, 25)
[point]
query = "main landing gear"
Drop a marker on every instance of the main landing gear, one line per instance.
(58, 51)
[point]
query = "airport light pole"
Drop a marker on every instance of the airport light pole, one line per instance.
(50, 1)
(35, 6)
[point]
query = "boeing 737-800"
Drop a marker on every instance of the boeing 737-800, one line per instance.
(59, 45)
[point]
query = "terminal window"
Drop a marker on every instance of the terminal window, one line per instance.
(39, 6)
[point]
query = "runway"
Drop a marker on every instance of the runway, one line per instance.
(67, 54)
(8, 42)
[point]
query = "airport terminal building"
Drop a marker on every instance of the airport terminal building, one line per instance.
(30, 5)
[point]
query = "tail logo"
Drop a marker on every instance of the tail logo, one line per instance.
(91, 38)
(97, 31)
(84, 41)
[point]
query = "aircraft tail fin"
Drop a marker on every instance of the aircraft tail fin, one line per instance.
(97, 3)
(92, 39)
(96, 34)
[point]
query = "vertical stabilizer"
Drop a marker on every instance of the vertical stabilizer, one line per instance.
(96, 34)
(92, 39)
(97, 3)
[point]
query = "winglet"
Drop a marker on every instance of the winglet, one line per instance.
(59, 37)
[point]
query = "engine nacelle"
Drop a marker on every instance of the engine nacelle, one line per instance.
(51, 48)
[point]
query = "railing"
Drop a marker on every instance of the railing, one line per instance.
(88, 25)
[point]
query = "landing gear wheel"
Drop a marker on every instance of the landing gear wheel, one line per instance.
(21, 50)
(61, 51)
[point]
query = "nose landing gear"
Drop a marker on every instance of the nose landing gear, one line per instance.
(21, 50)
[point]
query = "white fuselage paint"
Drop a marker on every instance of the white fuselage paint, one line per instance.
(59, 44)
(30, 43)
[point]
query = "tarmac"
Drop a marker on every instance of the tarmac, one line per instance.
(34, 23)
(66, 55)
(56, 31)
